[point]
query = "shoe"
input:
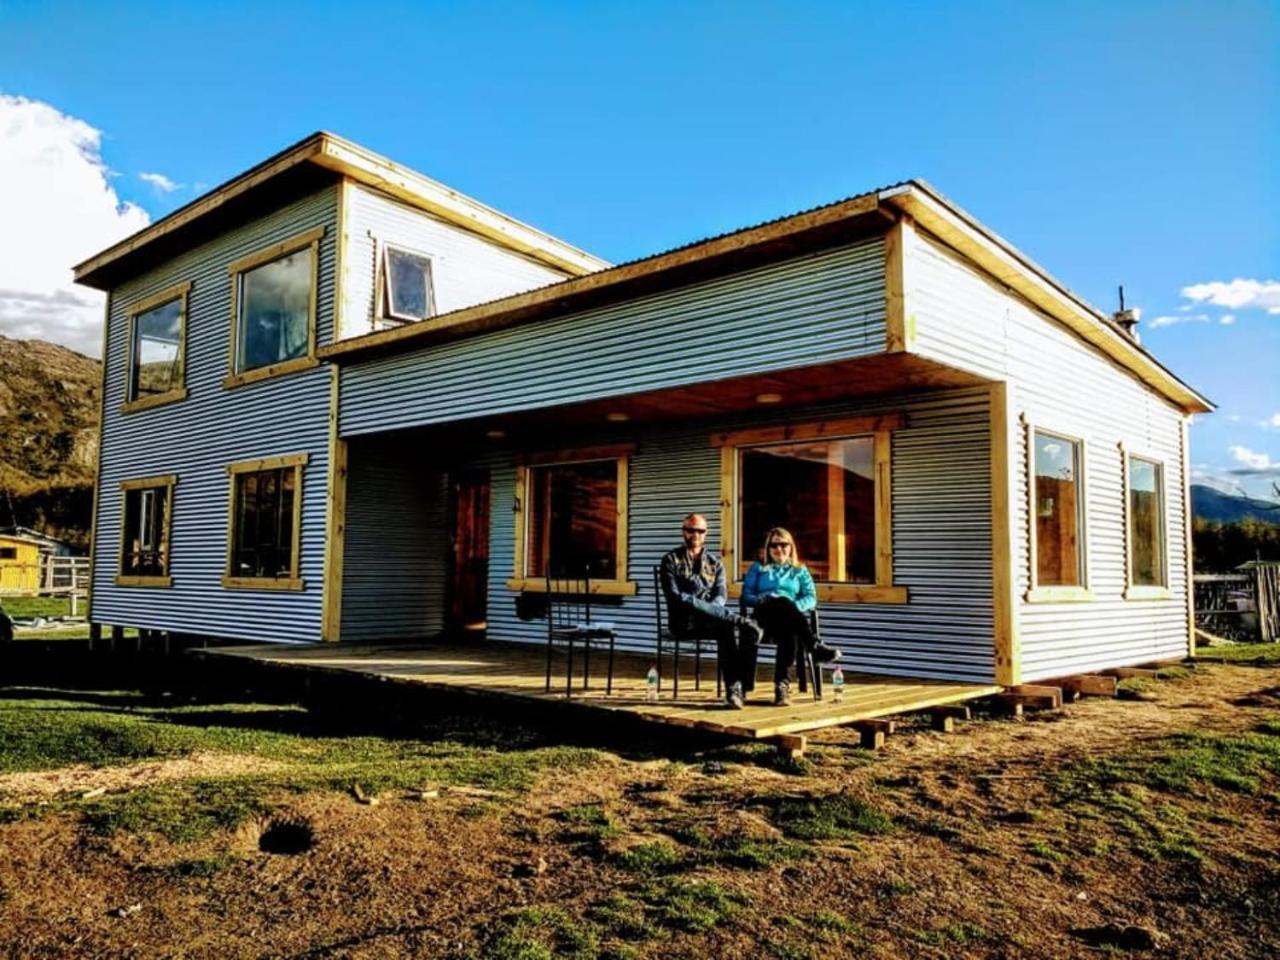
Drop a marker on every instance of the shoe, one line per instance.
(825, 654)
(782, 694)
(734, 698)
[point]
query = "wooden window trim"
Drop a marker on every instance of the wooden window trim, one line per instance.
(180, 292)
(1154, 591)
(1036, 593)
(621, 455)
(382, 307)
(296, 461)
(236, 270)
(167, 482)
(880, 428)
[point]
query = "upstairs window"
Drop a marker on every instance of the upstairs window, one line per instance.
(274, 309)
(1146, 523)
(144, 542)
(266, 516)
(408, 291)
(1058, 509)
(157, 355)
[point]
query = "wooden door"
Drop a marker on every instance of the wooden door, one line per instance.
(469, 534)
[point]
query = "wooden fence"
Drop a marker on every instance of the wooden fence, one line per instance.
(1243, 607)
(53, 577)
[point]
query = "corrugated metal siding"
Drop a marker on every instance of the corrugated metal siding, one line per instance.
(812, 309)
(466, 268)
(1063, 384)
(397, 544)
(197, 437)
(942, 539)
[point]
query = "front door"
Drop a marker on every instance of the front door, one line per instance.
(469, 534)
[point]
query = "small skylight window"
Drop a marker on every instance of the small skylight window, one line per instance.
(409, 293)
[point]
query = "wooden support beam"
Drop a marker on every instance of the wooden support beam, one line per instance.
(1087, 685)
(943, 719)
(1036, 694)
(790, 746)
(1128, 673)
(873, 732)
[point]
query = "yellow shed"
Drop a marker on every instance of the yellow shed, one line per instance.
(19, 565)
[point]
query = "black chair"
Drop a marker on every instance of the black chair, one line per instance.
(569, 623)
(807, 668)
(665, 634)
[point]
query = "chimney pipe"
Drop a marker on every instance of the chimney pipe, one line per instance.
(1127, 320)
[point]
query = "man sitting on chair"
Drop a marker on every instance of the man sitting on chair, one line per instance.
(694, 585)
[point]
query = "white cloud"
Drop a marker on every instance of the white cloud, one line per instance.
(1227, 319)
(1251, 459)
(1169, 321)
(1273, 422)
(1234, 417)
(59, 208)
(159, 181)
(1238, 294)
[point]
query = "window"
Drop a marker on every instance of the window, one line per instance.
(265, 524)
(157, 334)
(274, 309)
(1056, 484)
(8, 553)
(571, 517)
(1145, 526)
(830, 485)
(144, 540)
(408, 291)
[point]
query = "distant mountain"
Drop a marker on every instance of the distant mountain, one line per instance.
(1214, 505)
(49, 406)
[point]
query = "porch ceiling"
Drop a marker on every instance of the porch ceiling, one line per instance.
(794, 388)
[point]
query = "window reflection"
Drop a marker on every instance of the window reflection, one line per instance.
(275, 311)
(157, 351)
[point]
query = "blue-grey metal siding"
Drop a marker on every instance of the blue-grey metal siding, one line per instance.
(196, 438)
(812, 309)
(397, 543)
(942, 538)
(1060, 383)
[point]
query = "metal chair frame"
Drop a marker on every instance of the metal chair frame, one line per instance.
(666, 633)
(569, 622)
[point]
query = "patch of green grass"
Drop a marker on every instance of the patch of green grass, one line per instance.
(692, 906)
(834, 817)
(542, 933)
(620, 916)
(651, 858)
(1238, 652)
(180, 812)
(202, 868)
(1046, 851)
(956, 934)
(791, 951)
(751, 854)
(590, 823)
(22, 608)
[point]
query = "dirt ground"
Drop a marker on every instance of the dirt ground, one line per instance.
(984, 859)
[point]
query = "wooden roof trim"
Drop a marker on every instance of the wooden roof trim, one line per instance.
(332, 152)
(1000, 259)
(507, 311)
(366, 167)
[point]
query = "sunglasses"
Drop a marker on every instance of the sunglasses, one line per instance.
(779, 546)
(699, 530)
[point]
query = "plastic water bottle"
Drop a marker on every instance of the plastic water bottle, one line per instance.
(651, 683)
(837, 685)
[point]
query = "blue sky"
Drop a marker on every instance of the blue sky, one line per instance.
(1132, 143)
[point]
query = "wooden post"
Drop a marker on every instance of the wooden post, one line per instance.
(117, 636)
(790, 746)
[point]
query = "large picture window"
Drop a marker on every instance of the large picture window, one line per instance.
(1057, 516)
(265, 523)
(828, 483)
(144, 540)
(274, 309)
(571, 519)
(157, 355)
(1145, 526)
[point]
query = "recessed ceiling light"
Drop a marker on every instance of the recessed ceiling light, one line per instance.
(768, 398)
(617, 417)
(496, 434)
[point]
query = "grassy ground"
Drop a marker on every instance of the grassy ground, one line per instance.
(1070, 834)
(1243, 653)
(26, 607)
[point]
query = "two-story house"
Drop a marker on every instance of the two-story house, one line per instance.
(343, 402)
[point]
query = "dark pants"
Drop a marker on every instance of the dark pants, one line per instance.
(785, 627)
(737, 654)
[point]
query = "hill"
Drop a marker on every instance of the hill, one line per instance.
(49, 405)
(1218, 507)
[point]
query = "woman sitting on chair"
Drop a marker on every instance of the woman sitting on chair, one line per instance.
(781, 589)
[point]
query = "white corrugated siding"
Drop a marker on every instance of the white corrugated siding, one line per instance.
(1062, 383)
(397, 543)
(466, 268)
(813, 309)
(196, 438)
(942, 538)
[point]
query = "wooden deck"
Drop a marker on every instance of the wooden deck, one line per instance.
(519, 671)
